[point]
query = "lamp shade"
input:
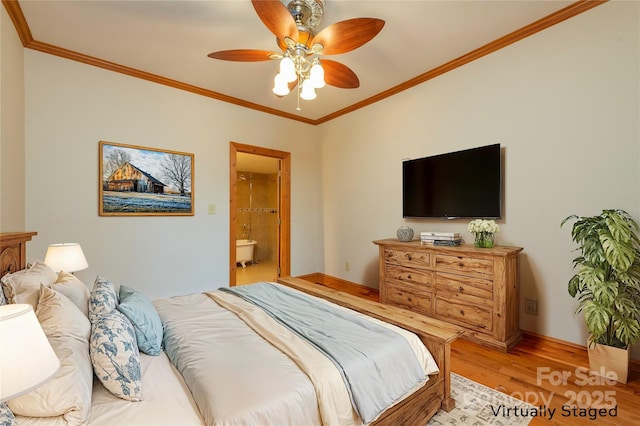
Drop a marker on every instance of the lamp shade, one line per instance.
(26, 357)
(66, 257)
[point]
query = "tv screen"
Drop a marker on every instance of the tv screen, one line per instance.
(461, 184)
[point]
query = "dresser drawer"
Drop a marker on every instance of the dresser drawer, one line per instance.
(464, 288)
(465, 314)
(408, 296)
(414, 259)
(464, 265)
(408, 275)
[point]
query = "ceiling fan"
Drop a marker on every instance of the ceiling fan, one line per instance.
(300, 64)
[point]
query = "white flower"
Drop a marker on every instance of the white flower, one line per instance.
(477, 226)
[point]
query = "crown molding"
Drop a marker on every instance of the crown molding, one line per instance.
(17, 17)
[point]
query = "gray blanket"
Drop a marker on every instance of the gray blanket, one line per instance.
(377, 364)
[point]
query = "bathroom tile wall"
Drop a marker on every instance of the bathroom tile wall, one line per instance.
(257, 215)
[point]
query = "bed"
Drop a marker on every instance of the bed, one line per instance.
(187, 382)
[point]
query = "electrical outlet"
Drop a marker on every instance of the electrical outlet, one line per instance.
(531, 306)
(347, 266)
(211, 209)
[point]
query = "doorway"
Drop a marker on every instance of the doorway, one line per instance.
(253, 213)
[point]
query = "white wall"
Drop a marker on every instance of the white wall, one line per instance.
(70, 107)
(564, 104)
(12, 197)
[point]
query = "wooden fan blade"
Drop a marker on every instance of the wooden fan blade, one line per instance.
(344, 36)
(276, 17)
(242, 55)
(339, 75)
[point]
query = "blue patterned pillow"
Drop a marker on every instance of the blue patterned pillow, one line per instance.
(145, 319)
(6, 416)
(103, 299)
(115, 357)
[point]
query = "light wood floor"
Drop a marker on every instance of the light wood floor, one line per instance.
(533, 371)
(265, 270)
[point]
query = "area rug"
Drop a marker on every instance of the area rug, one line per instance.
(479, 405)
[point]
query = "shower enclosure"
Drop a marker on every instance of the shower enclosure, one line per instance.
(257, 213)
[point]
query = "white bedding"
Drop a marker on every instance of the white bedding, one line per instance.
(167, 401)
(331, 393)
(224, 363)
(236, 376)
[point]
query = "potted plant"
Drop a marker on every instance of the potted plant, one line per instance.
(607, 283)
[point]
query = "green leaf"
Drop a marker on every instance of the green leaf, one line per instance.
(586, 297)
(606, 293)
(574, 284)
(625, 306)
(619, 255)
(597, 318)
(591, 276)
(627, 330)
(618, 227)
(568, 218)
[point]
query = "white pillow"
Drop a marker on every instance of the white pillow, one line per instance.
(68, 393)
(24, 286)
(69, 285)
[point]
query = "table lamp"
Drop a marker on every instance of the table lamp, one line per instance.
(27, 360)
(66, 257)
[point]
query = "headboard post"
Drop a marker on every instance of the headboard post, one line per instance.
(13, 251)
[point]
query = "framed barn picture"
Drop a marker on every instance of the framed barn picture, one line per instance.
(140, 181)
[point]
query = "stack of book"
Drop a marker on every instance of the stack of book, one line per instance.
(440, 238)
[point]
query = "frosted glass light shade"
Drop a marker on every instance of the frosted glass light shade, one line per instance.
(308, 92)
(280, 86)
(317, 76)
(66, 257)
(26, 357)
(288, 69)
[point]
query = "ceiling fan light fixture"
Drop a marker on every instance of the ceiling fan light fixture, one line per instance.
(308, 92)
(280, 86)
(316, 75)
(288, 69)
(294, 28)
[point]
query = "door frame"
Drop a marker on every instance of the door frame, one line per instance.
(284, 206)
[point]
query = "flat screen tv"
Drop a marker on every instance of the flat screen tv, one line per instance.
(461, 184)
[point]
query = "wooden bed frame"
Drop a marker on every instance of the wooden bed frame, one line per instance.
(437, 336)
(13, 251)
(416, 409)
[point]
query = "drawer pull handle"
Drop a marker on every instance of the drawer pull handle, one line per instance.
(408, 276)
(461, 312)
(408, 256)
(461, 288)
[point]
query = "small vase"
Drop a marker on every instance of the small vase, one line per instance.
(484, 240)
(405, 233)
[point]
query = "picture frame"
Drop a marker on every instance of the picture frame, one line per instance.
(142, 181)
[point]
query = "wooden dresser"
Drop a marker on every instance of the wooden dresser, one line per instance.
(474, 288)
